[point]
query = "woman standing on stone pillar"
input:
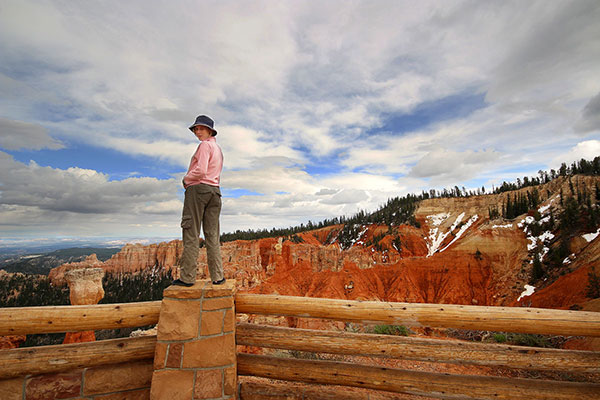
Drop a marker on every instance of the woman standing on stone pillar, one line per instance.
(202, 205)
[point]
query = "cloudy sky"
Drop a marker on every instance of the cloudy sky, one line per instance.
(322, 108)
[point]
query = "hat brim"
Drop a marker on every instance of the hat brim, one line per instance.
(212, 129)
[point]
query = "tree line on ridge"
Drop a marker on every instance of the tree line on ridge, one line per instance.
(400, 210)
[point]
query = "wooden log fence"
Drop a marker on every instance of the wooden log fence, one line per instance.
(53, 319)
(64, 357)
(31, 320)
(508, 319)
(47, 359)
(524, 320)
(422, 349)
(445, 386)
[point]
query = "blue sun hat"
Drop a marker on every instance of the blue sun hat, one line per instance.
(203, 120)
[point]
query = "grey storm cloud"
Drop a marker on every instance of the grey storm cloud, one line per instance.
(17, 135)
(77, 190)
(561, 44)
(590, 116)
(448, 165)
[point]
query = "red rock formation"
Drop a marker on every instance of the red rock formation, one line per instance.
(137, 257)
(79, 337)
(311, 268)
(11, 342)
(85, 287)
(57, 275)
(131, 258)
(570, 289)
(456, 256)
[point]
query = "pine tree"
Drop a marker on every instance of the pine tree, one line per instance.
(593, 286)
(509, 214)
(537, 271)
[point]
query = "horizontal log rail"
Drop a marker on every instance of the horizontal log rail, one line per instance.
(53, 319)
(445, 386)
(272, 390)
(422, 349)
(64, 357)
(507, 319)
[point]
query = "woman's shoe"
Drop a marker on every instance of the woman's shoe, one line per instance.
(222, 281)
(179, 282)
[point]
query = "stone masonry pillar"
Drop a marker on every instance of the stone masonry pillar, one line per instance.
(195, 356)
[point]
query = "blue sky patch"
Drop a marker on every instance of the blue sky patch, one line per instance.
(323, 166)
(235, 193)
(111, 162)
(451, 107)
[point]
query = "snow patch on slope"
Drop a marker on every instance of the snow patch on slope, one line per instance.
(462, 230)
(543, 238)
(591, 236)
(529, 290)
(502, 226)
(569, 259)
(359, 240)
(436, 238)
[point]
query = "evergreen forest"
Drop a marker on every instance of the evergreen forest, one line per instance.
(20, 290)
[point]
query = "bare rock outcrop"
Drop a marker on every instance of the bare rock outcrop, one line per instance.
(85, 285)
(131, 259)
(57, 275)
(85, 288)
(137, 257)
(12, 341)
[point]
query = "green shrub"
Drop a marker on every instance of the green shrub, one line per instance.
(516, 339)
(526, 339)
(398, 330)
(478, 255)
(303, 355)
(521, 339)
(499, 337)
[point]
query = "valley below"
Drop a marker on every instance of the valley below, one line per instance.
(456, 250)
(456, 254)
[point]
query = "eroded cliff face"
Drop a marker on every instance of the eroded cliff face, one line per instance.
(569, 290)
(457, 255)
(454, 274)
(132, 258)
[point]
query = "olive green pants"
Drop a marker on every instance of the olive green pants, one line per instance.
(201, 208)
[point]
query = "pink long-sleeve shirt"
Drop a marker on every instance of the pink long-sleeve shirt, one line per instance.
(206, 164)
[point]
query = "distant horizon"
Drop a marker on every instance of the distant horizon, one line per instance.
(55, 243)
(116, 241)
(322, 109)
(63, 243)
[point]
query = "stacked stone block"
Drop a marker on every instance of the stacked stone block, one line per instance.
(195, 350)
(126, 381)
